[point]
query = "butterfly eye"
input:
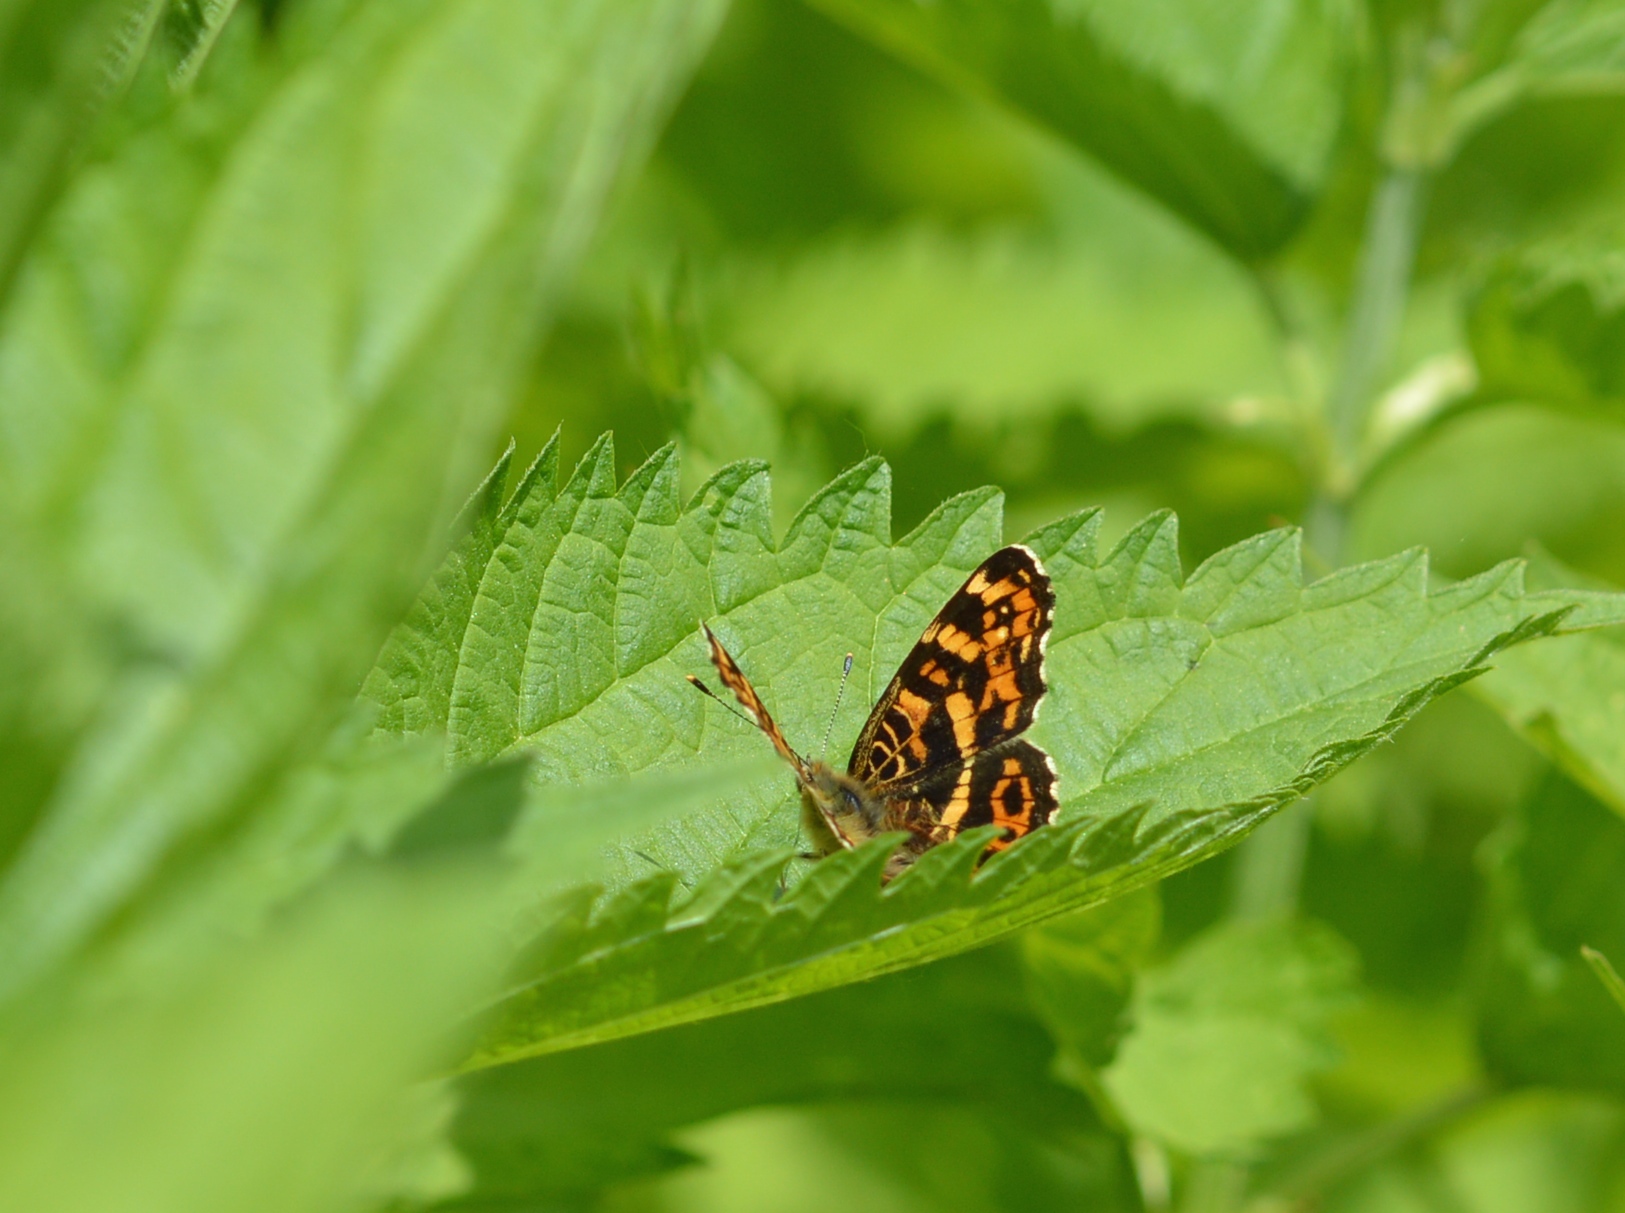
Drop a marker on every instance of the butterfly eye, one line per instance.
(853, 804)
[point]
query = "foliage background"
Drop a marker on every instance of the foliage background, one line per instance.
(279, 281)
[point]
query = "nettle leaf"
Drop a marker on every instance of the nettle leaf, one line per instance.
(252, 365)
(1182, 712)
(1224, 114)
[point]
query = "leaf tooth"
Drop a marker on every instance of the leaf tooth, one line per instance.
(1069, 542)
(1042, 850)
(639, 909)
(838, 900)
(744, 875)
(536, 488)
(1255, 582)
(650, 492)
(939, 877)
(849, 515)
(960, 532)
(1406, 570)
(594, 474)
(1142, 576)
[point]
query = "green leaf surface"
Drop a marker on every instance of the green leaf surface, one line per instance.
(61, 63)
(1227, 1033)
(1548, 324)
(1080, 976)
(243, 452)
(266, 1081)
(569, 1124)
(1565, 48)
(1225, 115)
(1182, 711)
(1568, 696)
(1126, 314)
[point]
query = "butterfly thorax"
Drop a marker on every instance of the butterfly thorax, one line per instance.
(838, 810)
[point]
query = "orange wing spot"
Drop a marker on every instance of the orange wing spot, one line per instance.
(977, 584)
(1012, 713)
(962, 711)
(958, 805)
(1012, 766)
(914, 707)
(958, 643)
(1002, 688)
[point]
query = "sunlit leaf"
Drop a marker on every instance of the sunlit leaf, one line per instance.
(306, 315)
(1182, 711)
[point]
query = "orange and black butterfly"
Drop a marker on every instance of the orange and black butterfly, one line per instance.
(940, 752)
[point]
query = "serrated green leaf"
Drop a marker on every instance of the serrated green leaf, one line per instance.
(572, 1123)
(1182, 711)
(245, 447)
(1227, 1033)
(1226, 116)
(1564, 48)
(1128, 314)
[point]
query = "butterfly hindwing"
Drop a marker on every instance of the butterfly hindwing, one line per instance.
(1012, 787)
(973, 681)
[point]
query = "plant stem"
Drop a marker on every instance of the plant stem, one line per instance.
(1269, 865)
(1305, 1186)
(1382, 282)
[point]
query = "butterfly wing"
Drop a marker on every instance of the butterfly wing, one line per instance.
(972, 682)
(1012, 787)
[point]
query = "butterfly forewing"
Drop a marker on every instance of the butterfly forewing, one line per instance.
(973, 682)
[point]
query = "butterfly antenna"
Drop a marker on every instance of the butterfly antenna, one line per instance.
(846, 672)
(705, 690)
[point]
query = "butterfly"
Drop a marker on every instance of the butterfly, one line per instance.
(941, 751)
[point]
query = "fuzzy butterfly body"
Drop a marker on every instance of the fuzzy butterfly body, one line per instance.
(941, 752)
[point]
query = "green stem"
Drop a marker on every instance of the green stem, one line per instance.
(1382, 282)
(1269, 865)
(1306, 1186)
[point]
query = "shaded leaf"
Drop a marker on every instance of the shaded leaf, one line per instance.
(1225, 116)
(568, 1124)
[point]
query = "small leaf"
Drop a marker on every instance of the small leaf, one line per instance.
(1227, 1033)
